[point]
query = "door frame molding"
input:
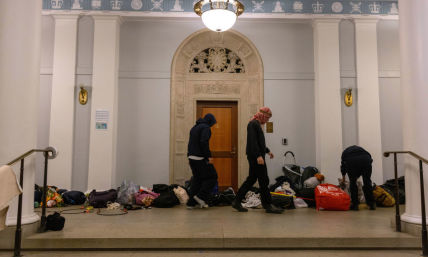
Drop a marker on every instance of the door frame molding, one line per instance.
(187, 88)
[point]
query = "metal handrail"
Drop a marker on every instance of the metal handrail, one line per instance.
(397, 204)
(42, 228)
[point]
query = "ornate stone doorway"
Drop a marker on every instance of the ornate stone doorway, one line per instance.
(211, 66)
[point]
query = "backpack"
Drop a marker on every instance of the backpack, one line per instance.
(383, 197)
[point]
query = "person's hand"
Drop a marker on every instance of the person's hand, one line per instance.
(271, 155)
(260, 160)
(210, 160)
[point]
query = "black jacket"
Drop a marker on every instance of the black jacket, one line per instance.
(199, 139)
(355, 157)
(256, 145)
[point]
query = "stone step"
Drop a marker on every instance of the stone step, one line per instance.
(224, 228)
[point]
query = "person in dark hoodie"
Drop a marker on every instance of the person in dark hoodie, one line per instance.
(256, 151)
(357, 162)
(200, 161)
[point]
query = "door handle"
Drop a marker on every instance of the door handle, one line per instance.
(233, 150)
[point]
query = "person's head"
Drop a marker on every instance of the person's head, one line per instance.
(210, 119)
(263, 115)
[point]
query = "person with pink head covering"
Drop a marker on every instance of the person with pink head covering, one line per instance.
(256, 152)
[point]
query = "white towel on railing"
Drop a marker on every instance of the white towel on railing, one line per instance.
(9, 188)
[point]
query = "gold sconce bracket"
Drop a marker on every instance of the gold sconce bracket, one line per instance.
(83, 95)
(348, 97)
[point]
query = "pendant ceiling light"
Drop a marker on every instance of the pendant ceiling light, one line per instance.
(219, 15)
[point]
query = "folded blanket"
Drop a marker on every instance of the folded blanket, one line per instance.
(9, 188)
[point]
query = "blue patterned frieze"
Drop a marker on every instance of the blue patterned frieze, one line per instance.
(353, 7)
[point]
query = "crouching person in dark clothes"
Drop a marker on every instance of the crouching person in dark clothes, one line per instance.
(256, 151)
(200, 161)
(358, 162)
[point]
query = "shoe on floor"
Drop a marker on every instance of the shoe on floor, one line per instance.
(372, 206)
(238, 206)
(354, 207)
(273, 209)
(201, 202)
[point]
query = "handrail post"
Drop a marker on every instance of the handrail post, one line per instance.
(397, 202)
(42, 227)
(18, 232)
(424, 222)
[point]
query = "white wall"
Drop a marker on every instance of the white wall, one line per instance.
(146, 51)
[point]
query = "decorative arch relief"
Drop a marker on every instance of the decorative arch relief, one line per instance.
(218, 60)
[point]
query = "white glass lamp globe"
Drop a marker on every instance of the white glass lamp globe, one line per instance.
(219, 19)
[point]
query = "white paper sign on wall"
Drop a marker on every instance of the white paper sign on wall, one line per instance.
(101, 119)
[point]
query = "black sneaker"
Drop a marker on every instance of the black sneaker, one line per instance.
(273, 209)
(354, 207)
(372, 206)
(238, 206)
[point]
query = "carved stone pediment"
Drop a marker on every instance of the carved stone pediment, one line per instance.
(217, 59)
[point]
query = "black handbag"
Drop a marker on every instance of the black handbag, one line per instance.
(100, 199)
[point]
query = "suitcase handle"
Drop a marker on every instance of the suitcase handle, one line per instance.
(285, 156)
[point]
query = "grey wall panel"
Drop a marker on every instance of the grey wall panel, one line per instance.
(285, 48)
(44, 114)
(82, 118)
(143, 131)
(149, 45)
(292, 104)
(391, 123)
(388, 48)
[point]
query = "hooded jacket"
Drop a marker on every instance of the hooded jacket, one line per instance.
(199, 139)
(355, 157)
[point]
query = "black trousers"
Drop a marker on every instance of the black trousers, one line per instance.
(203, 182)
(356, 167)
(257, 172)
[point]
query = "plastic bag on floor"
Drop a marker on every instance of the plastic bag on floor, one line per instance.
(331, 197)
(181, 194)
(126, 193)
(300, 203)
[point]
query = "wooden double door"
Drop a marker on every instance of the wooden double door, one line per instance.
(224, 140)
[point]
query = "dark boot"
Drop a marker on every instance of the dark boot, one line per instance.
(372, 206)
(273, 209)
(354, 207)
(238, 206)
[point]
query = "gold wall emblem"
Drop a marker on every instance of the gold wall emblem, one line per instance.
(348, 97)
(269, 127)
(83, 96)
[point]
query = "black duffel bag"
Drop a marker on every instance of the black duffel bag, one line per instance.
(100, 199)
(74, 197)
(166, 199)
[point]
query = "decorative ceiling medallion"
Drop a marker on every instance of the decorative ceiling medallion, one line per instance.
(217, 59)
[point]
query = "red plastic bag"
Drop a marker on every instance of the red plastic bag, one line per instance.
(331, 197)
